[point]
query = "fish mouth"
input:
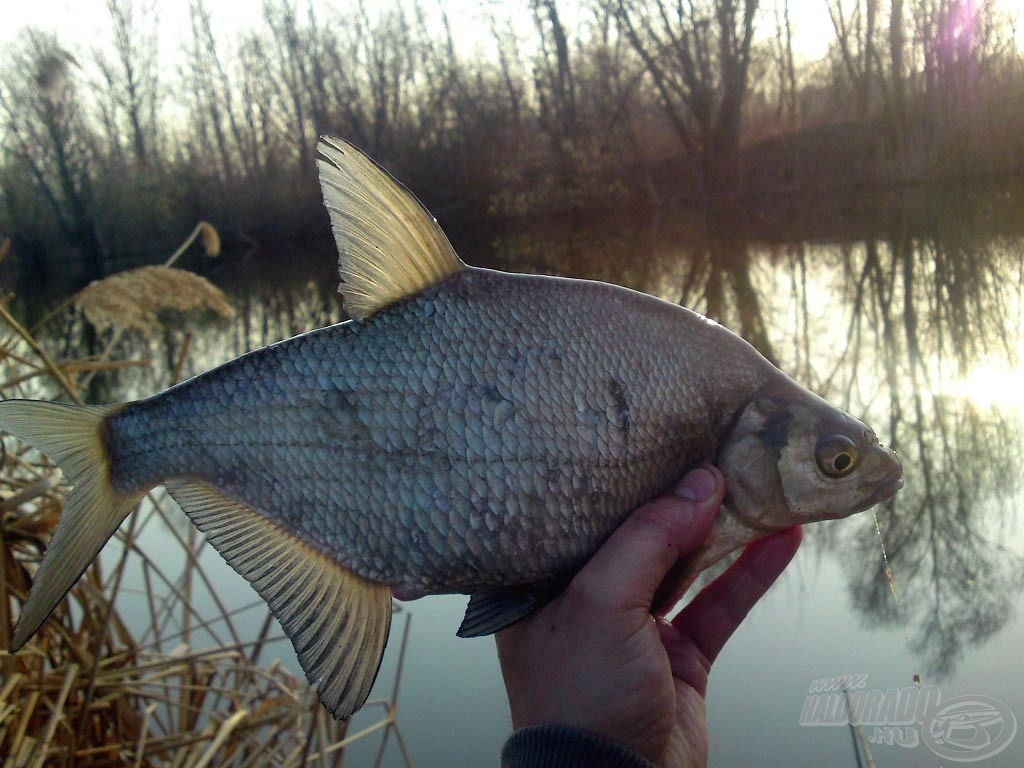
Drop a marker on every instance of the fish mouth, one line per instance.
(888, 488)
(892, 480)
(891, 483)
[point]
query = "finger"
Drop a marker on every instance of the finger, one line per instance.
(712, 616)
(627, 570)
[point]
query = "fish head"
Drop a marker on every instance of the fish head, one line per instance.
(790, 458)
(793, 458)
(833, 465)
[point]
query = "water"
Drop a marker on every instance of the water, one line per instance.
(903, 308)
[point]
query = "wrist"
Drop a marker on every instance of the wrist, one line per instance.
(566, 746)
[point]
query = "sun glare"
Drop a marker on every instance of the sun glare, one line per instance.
(992, 383)
(1014, 10)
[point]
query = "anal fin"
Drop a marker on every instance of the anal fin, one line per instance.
(491, 610)
(337, 620)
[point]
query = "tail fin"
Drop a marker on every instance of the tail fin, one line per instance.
(71, 435)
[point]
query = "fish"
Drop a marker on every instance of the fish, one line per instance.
(465, 431)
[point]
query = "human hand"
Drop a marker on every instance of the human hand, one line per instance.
(594, 658)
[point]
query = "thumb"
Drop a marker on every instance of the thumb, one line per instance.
(627, 570)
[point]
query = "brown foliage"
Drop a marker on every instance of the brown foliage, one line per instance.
(91, 687)
(134, 299)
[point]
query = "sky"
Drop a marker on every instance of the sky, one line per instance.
(85, 21)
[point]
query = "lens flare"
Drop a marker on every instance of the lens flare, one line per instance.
(992, 383)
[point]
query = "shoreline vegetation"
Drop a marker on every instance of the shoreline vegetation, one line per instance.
(108, 155)
(146, 661)
(108, 158)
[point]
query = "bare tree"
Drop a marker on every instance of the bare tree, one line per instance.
(555, 86)
(131, 79)
(855, 26)
(46, 133)
(554, 80)
(212, 96)
(298, 67)
(698, 55)
(897, 63)
(785, 68)
(511, 67)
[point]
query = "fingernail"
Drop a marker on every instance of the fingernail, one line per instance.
(698, 485)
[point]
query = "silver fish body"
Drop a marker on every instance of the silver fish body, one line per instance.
(491, 431)
(468, 431)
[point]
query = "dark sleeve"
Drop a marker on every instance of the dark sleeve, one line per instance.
(559, 746)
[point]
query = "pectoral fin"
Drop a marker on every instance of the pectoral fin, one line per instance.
(337, 620)
(491, 610)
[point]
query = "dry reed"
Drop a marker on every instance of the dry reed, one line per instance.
(87, 689)
(134, 299)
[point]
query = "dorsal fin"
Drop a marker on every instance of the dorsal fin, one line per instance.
(389, 246)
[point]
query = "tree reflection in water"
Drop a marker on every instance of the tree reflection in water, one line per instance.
(938, 303)
(920, 309)
(880, 312)
(882, 323)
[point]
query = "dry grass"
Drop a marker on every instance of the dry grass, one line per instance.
(92, 687)
(136, 298)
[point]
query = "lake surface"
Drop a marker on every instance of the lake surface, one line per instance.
(904, 308)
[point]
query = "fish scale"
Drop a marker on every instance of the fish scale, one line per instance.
(467, 431)
(559, 430)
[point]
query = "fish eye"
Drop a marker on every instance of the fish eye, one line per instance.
(836, 455)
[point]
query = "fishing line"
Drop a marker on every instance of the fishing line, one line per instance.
(892, 588)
